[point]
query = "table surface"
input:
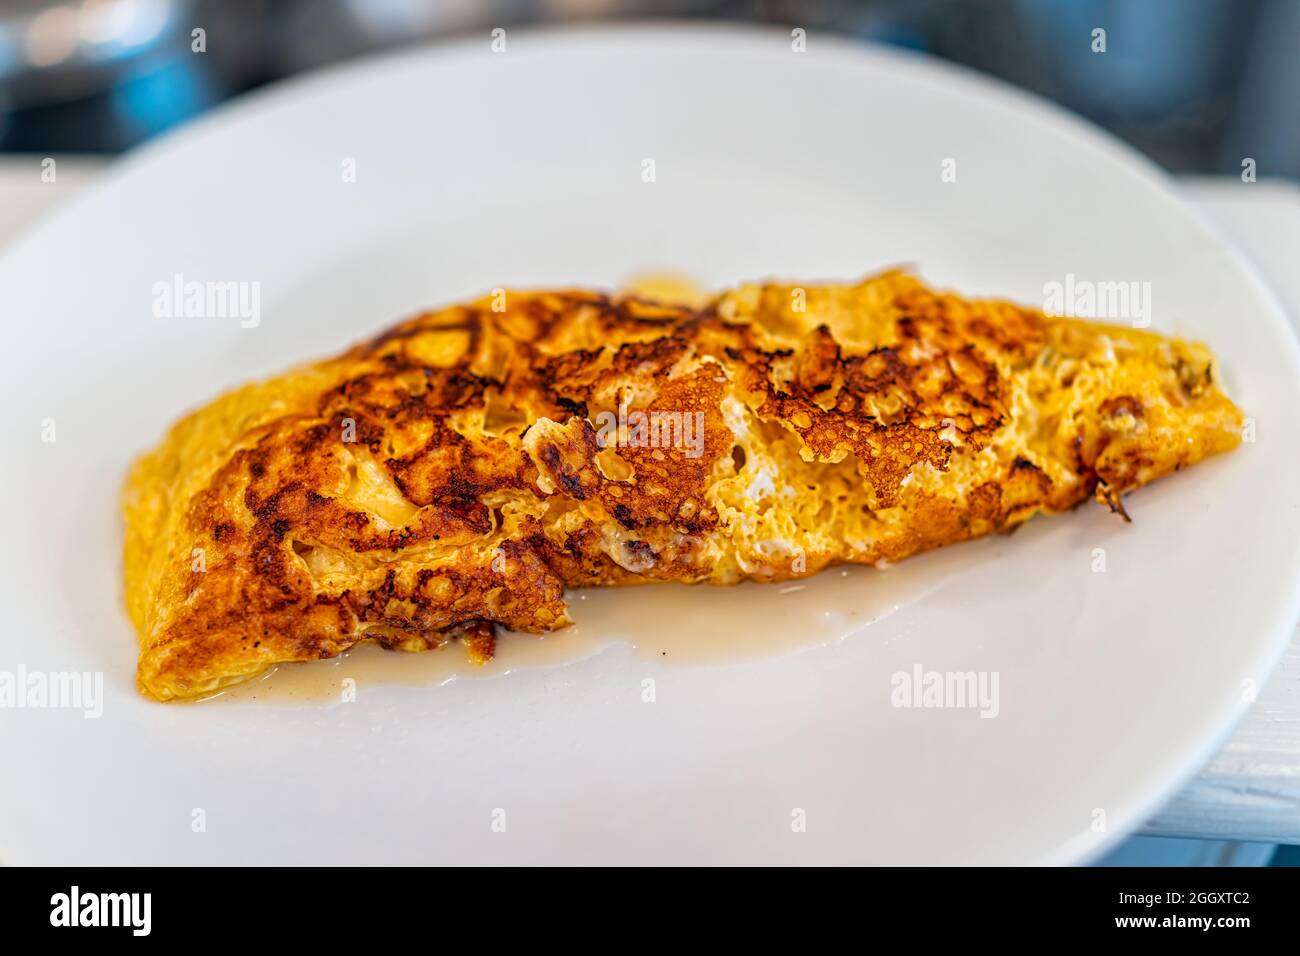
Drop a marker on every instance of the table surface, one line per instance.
(1250, 790)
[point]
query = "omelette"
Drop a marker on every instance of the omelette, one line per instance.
(459, 472)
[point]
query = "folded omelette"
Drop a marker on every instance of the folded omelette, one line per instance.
(463, 469)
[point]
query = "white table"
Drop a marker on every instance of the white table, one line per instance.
(1251, 790)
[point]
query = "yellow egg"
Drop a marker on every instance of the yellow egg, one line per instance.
(464, 468)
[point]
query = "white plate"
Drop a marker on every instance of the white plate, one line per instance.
(476, 170)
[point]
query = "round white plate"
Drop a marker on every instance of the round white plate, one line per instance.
(476, 169)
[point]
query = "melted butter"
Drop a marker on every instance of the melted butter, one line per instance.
(674, 624)
(669, 288)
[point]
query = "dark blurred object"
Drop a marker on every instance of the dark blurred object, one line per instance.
(102, 75)
(1197, 84)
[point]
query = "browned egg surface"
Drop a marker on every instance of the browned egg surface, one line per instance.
(463, 469)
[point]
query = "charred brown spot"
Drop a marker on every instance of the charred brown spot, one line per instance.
(566, 479)
(1114, 500)
(1122, 405)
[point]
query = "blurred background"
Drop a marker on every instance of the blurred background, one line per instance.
(1196, 84)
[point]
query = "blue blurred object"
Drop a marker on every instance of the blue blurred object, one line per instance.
(157, 97)
(1286, 856)
(1165, 851)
